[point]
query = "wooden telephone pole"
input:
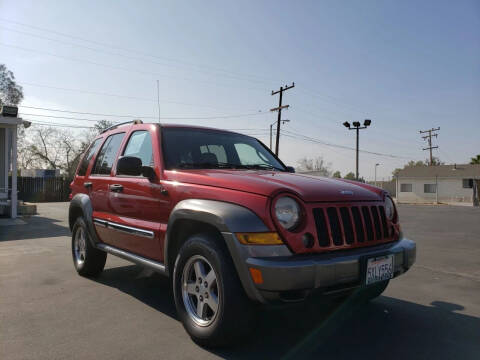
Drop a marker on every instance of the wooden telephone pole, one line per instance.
(431, 132)
(279, 109)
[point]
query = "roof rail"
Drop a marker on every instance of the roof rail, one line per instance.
(122, 123)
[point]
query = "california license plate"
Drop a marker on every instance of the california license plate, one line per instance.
(379, 269)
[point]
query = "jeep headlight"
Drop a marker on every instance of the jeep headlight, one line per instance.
(287, 212)
(389, 208)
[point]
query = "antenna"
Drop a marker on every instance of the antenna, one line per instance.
(158, 100)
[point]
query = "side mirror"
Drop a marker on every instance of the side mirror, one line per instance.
(148, 172)
(290, 169)
(129, 165)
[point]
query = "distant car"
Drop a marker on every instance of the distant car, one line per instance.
(230, 224)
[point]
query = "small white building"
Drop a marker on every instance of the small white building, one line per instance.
(447, 184)
(8, 158)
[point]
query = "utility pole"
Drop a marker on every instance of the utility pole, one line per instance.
(357, 127)
(431, 132)
(271, 130)
(279, 109)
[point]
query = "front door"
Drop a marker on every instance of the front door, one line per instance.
(135, 203)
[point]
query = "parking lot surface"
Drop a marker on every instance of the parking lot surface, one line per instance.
(49, 312)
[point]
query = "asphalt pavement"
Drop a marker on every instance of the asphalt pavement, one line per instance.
(49, 312)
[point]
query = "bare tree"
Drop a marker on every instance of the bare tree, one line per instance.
(53, 148)
(317, 164)
(47, 147)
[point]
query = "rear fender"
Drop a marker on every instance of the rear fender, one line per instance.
(81, 205)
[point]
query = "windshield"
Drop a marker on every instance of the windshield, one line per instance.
(186, 148)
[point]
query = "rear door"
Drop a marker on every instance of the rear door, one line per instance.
(98, 185)
(136, 201)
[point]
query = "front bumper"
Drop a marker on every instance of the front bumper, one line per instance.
(329, 271)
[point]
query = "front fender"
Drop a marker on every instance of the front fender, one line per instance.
(228, 219)
(225, 217)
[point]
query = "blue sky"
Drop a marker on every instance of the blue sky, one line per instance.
(407, 65)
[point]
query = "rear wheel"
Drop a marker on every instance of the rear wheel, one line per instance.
(88, 261)
(209, 298)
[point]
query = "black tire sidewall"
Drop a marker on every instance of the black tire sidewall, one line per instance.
(95, 259)
(199, 245)
(80, 224)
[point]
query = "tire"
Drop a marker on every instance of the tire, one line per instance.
(234, 314)
(88, 261)
(373, 291)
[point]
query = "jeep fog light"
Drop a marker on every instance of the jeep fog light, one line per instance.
(263, 238)
(287, 212)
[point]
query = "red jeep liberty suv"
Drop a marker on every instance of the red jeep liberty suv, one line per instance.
(231, 225)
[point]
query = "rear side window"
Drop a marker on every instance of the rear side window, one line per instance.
(140, 145)
(106, 156)
(82, 168)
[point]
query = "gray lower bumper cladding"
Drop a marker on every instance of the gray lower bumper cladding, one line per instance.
(309, 272)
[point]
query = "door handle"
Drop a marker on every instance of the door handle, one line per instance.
(87, 184)
(116, 187)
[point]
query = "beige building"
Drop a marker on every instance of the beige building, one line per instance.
(447, 184)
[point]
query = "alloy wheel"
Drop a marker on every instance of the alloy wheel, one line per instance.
(200, 290)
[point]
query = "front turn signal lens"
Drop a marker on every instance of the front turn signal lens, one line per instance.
(265, 238)
(256, 275)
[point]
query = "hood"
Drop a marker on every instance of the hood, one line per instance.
(269, 183)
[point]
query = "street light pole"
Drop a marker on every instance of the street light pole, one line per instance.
(376, 173)
(357, 127)
(271, 130)
(356, 166)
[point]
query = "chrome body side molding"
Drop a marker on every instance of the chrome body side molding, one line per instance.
(124, 228)
(139, 260)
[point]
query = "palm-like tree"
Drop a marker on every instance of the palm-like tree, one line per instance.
(475, 160)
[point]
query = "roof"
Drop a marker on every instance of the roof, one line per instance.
(10, 120)
(164, 125)
(198, 127)
(464, 171)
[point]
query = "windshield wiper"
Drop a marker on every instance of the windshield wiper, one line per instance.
(226, 165)
(211, 165)
(263, 166)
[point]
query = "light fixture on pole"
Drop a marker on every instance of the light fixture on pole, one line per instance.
(271, 130)
(357, 126)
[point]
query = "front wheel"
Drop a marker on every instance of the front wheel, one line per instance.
(209, 298)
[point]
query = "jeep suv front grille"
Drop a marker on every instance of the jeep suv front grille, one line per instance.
(344, 226)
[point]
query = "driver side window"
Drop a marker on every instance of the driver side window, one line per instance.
(140, 145)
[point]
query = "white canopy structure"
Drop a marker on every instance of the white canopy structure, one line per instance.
(8, 159)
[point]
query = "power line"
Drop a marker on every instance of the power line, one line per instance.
(86, 113)
(122, 55)
(121, 96)
(44, 123)
(123, 68)
(318, 141)
(152, 117)
(125, 49)
(257, 131)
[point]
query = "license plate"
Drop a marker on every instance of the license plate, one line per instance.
(379, 269)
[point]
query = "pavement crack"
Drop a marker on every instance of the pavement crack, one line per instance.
(454, 273)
